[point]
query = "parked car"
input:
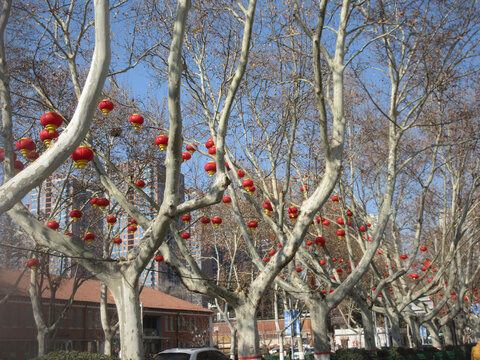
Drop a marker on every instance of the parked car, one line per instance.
(191, 354)
(274, 351)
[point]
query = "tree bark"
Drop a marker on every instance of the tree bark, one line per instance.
(248, 342)
(414, 332)
(108, 330)
(321, 344)
(433, 331)
(126, 295)
(447, 335)
(233, 342)
(368, 328)
(395, 330)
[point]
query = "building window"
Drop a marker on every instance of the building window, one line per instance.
(80, 322)
(14, 321)
(90, 319)
(71, 318)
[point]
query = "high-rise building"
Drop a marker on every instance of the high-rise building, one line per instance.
(158, 276)
(53, 201)
(60, 194)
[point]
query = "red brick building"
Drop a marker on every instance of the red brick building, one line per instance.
(167, 321)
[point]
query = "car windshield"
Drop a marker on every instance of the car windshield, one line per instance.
(173, 356)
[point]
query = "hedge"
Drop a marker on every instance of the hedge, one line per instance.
(74, 355)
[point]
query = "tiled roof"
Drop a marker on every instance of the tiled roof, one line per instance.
(89, 291)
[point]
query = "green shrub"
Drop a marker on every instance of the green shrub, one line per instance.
(74, 355)
(352, 354)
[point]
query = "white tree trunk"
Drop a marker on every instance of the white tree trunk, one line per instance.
(43, 334)
(434, 335)
(414, 332)
(233, 342)
(108, 330)
(321, 344)
(447, 335)
(395, 330)
(368, 328)
(126, 297)
(248, 342)
(281, 350)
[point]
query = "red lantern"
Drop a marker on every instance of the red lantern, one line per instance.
(68, 233)
(47, 137)
(340, 234)
(32, 156)
(185, 236)
(423, 248)
(33, 264)
(111, 220)
(89, 237)
(25, 146)
(162, 142)
(271, 252)
(322, 262)
(93, 201)
(17, 166)
(191, 148)
(211, 168)
(403, 257)
(102, 203)
(205, 220)
(75, 214)
(298, 269)
(217, 221)
(117, 241)
(340, 221)
(81, 156)
(240, 174)
(414, 276)
(186, 156)
(53, 225)
(267, 206)
(252, 225)
(303, 188)
(293, 216)
(309, 243)
(292, 210)
(136, 120)
(247, 184)
(266, 259)
(212, 151)
(335, 199)
(209, 143)
(140, 184)
(362, 228)
(349, 214)
(227, 200)
(339, 271)
(186, 218)
(380, 252)
(132, 228)
(158, 258)
(279, 245)
(320, 241)
(106, 106)
(51, 121)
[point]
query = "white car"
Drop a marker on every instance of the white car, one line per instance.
(191, 354)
